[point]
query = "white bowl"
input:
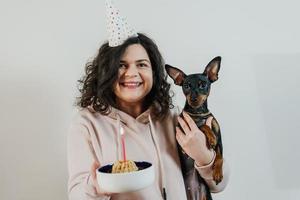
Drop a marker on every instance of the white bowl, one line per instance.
(128, 181)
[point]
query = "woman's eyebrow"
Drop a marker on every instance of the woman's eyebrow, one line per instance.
(141, 60)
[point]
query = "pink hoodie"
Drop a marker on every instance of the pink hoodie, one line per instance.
(93, 136)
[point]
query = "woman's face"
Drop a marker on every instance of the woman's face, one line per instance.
(135, 76)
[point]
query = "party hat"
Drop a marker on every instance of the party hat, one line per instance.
(118, 28)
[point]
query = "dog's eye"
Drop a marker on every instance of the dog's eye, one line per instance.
(186, 85)
(202, 85)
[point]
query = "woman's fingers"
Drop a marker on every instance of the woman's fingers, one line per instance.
(208, 121)
(190, 122)
(180, 136)
(94, 167)
(184, 125)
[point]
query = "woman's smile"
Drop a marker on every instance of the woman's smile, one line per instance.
(131, 84)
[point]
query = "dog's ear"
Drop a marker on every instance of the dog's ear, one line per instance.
(176, 74)
(212, 69)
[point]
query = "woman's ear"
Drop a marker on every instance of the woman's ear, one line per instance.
(176, 74)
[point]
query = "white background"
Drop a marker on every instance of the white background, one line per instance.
(45, 44)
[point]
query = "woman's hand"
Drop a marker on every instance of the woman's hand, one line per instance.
(193, 140)
(94, 167)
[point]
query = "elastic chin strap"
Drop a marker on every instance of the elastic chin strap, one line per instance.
(154, 138)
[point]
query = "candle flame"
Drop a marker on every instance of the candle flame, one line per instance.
(122, 131)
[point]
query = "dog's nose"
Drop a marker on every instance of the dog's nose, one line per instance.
(193, 99)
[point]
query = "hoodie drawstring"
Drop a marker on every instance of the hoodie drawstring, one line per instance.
(119, 152)
(154, 138)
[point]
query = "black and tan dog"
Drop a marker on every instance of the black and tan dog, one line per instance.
(196, 88)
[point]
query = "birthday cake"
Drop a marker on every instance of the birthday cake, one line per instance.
(124, 166)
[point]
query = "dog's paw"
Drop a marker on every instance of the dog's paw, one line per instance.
(217, 176)
(212, 142)
(211, 139)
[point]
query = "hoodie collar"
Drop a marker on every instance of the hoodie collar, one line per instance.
(127, 119)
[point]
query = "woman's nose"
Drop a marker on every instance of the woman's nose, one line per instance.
(131, 71)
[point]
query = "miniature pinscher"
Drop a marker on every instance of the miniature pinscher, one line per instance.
(196, 88)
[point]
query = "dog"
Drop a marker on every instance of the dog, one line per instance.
(196, 88)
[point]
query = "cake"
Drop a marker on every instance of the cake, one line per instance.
(124, 166)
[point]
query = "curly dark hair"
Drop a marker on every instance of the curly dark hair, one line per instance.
(96, 86)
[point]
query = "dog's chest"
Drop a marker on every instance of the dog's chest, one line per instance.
(199, 120)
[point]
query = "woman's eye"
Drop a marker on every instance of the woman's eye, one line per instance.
(142, 65)
(122, 65)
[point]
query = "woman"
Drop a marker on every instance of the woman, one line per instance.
(126, 85)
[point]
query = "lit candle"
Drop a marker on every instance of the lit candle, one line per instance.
(123, 142)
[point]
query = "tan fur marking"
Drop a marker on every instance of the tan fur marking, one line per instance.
(217, 168)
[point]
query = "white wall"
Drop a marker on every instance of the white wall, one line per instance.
(44, 45)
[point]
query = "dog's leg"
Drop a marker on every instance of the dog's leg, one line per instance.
(217, 167)
(210, 136)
